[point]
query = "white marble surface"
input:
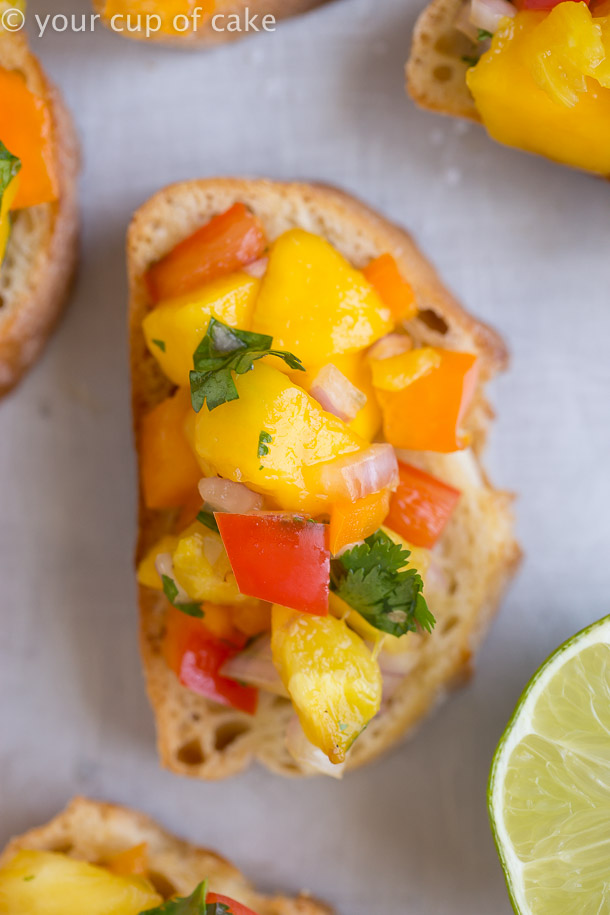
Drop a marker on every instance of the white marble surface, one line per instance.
(523, 242)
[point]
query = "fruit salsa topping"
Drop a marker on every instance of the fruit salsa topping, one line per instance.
(287, 571)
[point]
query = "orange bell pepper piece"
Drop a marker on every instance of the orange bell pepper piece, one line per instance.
(394, 291)
(353, 521)
(131, 862)
(26, 129)
(169, 471)
(224, 245)
(427, 415)
(421, 506)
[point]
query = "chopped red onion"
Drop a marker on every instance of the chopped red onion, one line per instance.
(336, 394)
(359, 474)
(227, 496)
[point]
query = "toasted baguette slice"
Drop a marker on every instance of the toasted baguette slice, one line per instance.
(477, 554)
(436, 73)
(93, 831)
(205, 35)
(42, 249)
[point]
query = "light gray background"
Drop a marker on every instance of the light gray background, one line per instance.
(524, 243)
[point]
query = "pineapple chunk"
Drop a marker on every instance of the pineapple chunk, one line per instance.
(202, 567)
(332, 678)
(46, 883)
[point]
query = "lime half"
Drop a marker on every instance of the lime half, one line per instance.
(549, 788)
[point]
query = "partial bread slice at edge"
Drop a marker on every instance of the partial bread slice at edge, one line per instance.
(477, 554)
(206, 35)
(436, 73)
(94, 831)
(42, 250)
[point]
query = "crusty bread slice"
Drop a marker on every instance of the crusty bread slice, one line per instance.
(42, 250)
(205, 35)
(436, 73)
(476, 556)
(93, 831)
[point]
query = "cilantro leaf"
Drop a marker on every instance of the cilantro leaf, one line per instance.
(170, 589)
(160, 344)
(9, 167)
(264, 440)
(194, 904)
(471, 61)
(224, 352)
(373, 580)
(207, 518)
(483, 34)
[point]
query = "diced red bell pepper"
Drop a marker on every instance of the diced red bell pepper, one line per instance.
(539, 5)
(196, 657)
(233, 907)
(421, 506)
(225, 244)
(279, 557)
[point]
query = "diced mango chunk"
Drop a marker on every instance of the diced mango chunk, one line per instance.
(331, 676)
(227, 439)
(174, 328)
(314, 303)
(535, 87)
(169, 470)
(46, 883)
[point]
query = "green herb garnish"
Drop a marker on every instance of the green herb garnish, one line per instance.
(373, 580)
(194, 904)
(224, 352)
(207, 518)
(471, 61)
(264, 440)
(9, 167)
(160, 344)
(170, 589)
(483, 35)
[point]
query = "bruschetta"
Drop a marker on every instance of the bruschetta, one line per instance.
(320, 550)
(535, 73)
(38, 208)
(103, 859)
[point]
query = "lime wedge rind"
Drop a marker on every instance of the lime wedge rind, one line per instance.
(520, 726)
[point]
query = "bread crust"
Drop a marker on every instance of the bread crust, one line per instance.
(42, 250)
(435, 71)
(195, 736)
(94, 831)
(206, 36)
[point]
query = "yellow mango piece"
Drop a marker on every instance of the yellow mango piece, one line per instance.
(129, 15)
(5, 219)
(420, 560)
(46, 883)
(331, 676)
(397, 372)
(569, 119)
(314, 303)
(174, 329)
(202, 567)
(147, 573)
(227, 439)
